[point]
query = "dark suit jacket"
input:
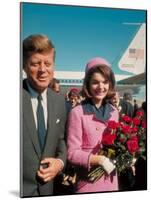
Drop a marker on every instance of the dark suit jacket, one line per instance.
(30, 149)
(127, 108)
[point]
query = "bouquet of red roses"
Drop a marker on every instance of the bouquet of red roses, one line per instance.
(123, 143)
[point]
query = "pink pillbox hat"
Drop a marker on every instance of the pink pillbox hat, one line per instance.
(95, 62)
(75, 90)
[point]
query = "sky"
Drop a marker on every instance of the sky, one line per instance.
(81, 33)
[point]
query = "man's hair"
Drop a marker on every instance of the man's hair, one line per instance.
(127, 96)
(36, 44)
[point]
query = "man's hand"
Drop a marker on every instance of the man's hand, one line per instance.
(52, 167)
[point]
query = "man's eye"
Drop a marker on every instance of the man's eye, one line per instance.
(48, 64)
(35, 64)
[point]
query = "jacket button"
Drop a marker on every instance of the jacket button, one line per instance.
(97, 129)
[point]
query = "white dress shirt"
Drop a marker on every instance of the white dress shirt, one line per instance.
(34, 102)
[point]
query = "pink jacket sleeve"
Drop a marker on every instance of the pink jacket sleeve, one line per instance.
(75, 153)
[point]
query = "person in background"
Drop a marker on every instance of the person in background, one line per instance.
(43, 150)
(144, 107)
(127, 107)
(73, 99)
(55, 85)
(86, 124)
(135, 107)
(74, 96)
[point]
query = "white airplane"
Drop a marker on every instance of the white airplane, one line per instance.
(134, 58)
(76, 78)
(134, 61)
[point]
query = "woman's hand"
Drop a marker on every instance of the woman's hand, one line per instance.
(107, 165)
(103, 161)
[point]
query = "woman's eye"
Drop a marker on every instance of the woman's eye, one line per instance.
(95, 82)
(106, 82)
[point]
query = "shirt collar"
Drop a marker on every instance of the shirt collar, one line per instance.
(35, 94)
(103, 113)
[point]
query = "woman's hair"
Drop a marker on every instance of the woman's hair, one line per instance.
(107, 73)
(36, 44)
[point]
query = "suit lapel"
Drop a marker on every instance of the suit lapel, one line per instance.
(29, 120)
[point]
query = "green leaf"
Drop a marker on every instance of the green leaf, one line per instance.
(144, 157)
(142, 149)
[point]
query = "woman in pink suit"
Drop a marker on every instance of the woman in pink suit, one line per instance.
(86, 125)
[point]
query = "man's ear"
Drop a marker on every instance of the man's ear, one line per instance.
(25, 68)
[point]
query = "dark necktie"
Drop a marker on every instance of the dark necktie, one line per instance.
(41, 123)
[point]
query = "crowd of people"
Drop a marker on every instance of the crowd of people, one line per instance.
(61, 134)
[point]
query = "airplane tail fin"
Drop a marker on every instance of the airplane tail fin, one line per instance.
(134, 58)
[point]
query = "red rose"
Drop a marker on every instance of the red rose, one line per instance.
(132, 145)
(118, 124)
(144, 125)
(134, 138)
(140, 113)
(121, 124)
(126, 118)
(134, 130)
(136, 121)
(108, 138)
(112, 124)
(126, 129)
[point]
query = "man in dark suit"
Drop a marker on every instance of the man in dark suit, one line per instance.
(43, 150)
(127, 107)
